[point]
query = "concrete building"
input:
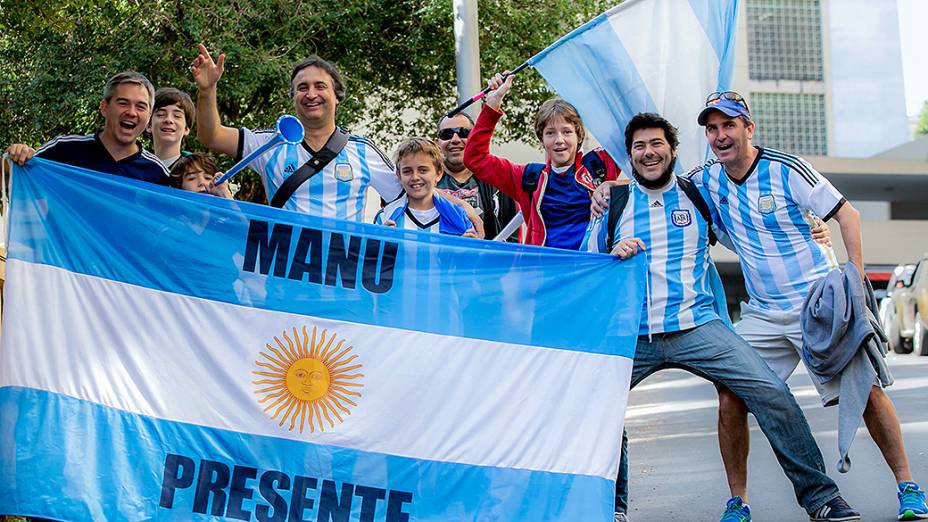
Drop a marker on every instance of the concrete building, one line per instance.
(823, 84)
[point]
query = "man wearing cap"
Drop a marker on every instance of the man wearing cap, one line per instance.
(765, 199)
(666, 219)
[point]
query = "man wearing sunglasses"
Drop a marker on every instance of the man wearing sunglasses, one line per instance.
(496, 208)
(764, 199)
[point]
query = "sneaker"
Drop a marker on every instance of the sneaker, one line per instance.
(620, 517)
(911, 502)
(836, 510)
(736, 511)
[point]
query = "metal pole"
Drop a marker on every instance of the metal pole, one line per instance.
(466, 50)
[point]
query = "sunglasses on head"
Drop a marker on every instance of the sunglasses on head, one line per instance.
(447, 134)
(718, 96)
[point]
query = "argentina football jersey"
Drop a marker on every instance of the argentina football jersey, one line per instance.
(767, 216)
(339, 190)
(425, 220)
(676, 239)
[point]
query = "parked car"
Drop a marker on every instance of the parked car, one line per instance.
(897, 315)
(918, 297)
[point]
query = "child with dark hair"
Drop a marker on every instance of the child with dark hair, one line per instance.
(171, 120)
(196, 173)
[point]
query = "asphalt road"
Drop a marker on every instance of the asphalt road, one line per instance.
(676, 471)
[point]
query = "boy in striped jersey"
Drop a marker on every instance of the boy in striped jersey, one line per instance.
(763, 198)
(418, 168)
(680, 327)
(339, 190)
(126, 108)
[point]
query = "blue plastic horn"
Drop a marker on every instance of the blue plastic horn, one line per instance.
(289, 130)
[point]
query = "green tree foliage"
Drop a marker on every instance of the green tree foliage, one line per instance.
(398, 56)
(921, 128)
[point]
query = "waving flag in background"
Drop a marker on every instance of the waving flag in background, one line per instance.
(177, 356)
(661, 56)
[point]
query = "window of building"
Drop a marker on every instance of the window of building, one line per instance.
(792, 123)
(784, 40)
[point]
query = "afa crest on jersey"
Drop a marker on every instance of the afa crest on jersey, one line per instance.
(343, 172)
(681, 218)
(766, 204)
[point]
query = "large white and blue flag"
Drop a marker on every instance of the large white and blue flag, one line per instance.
(662, 56)
(175, 356)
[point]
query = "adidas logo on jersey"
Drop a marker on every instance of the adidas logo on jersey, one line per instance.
(657, 204)
(723, 201)
(290, 168)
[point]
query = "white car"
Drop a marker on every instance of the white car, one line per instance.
(897, 311)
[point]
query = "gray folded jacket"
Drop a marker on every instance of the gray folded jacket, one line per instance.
(842, 339)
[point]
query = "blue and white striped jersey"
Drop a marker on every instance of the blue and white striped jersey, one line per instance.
(444, 218)
(676, 239)
(338, 191)
(766, 215)
(424, 220)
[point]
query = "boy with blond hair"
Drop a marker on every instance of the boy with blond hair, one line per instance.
(418, 168)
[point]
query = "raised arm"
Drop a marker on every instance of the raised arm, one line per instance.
(210, 130)
(499, 172)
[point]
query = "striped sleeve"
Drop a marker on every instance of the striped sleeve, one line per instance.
(595, 238)
(383, 175)
(808, 188)
(57, 149)
(248, 141)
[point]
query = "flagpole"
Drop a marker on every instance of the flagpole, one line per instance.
(453, 112)
(466, 47)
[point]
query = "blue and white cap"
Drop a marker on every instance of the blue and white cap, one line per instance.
(729, 106)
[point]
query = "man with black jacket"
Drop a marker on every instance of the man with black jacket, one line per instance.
(496, 208)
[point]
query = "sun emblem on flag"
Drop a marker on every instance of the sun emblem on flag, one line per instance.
(308, 379)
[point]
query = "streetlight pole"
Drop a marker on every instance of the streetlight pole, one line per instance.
(466, 50)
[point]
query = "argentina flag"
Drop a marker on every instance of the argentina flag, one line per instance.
(175, 356)
(662, 56)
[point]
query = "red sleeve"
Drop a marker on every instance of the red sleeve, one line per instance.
(499, 172)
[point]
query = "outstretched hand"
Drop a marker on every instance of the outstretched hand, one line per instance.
(499, 87)
(206, 72)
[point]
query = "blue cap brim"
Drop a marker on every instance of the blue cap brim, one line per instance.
(704, 115)
(726, 107)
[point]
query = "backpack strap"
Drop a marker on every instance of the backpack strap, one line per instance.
(618, 199)
(689, 188)
(595, 166)
(333, 146)
(530, 176)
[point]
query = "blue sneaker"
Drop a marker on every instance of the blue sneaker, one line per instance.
(736, 511)
(911, 502)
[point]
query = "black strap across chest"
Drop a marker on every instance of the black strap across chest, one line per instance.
(332, 148)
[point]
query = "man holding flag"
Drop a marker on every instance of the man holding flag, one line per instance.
(126, 108)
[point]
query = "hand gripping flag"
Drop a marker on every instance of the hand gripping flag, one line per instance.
(175, 356)
(662, 56)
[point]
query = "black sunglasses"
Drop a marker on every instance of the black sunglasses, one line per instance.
(714, 98)
(447, 134)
